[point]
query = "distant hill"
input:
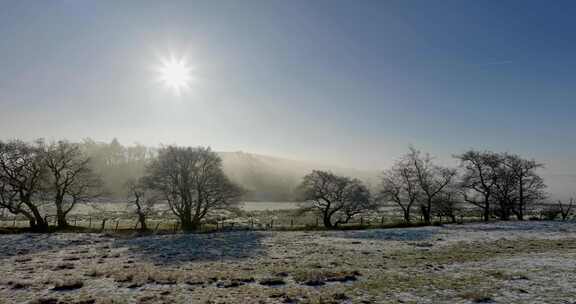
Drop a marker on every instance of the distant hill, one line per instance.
(269, 178)
(266, 178)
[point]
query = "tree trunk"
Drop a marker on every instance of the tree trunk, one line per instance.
(520, 213)
(504, 212)
(142, 220)
(39, 225)
(486, 214)
(187, 227)
(327, 222)
(60, 214)
(61, 218)
(426, 214)
(407, 215)
(189, 223)
(195, 224)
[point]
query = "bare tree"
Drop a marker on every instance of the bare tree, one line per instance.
(142, 199)
(448, 202)
(70, 178)
(21, 174)
(400, 185)
(192, 182)
(480, 178)
(529, 187)
(432, 179)
(337, 198)
(565, 208)
(506, 194)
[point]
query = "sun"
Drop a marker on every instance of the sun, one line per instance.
(175, 74)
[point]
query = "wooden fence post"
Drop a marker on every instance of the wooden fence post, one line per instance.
(116, 229)
(90, 223)
(103, 225)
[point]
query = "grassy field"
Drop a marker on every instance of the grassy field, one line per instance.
(501, 262)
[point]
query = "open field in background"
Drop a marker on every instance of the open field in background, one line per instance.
(499, 262)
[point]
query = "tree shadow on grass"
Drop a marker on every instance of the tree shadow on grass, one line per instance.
(537, 226)
(395, 234)
(169, 249)
(31, 243)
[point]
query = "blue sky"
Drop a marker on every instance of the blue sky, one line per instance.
(351, 83)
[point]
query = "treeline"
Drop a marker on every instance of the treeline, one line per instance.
(117, 164)
(501, 185)
(61, 175)
(192, 182)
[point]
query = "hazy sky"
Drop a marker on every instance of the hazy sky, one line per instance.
(344, 82)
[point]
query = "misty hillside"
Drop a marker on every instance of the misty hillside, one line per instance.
(265, 178)
(269, 178)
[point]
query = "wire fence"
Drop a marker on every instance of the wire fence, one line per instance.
(262, 220)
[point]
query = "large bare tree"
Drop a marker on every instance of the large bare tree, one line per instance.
(193, 183)
(480, 178)
(400, 185)
(337, 198)
(22, 172)
(529, 187)
(70, 178)
(448, 202)
(432, 180)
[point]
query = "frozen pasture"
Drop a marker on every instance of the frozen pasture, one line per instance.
(501, 262)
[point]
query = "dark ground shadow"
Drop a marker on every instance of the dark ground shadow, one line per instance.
(168, 249)
(30, 243)
(396, 234)
(540, 226)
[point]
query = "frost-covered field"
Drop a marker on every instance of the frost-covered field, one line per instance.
(512, 262)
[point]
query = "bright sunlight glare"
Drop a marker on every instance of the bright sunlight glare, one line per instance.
(175, 74)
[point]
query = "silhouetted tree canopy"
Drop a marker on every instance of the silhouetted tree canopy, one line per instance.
(400, 185)
(192, 182)
(431, 179)
(22, 173)
(337, 198)
(69, 179)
